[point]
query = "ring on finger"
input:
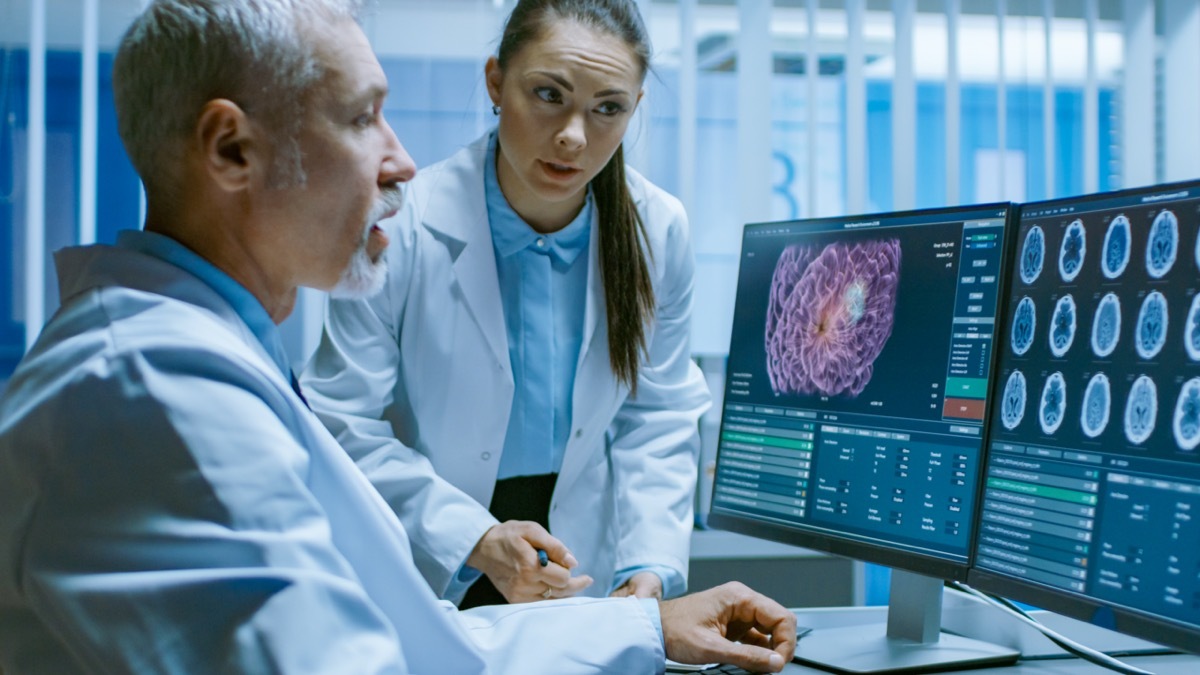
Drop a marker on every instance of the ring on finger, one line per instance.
(548, 592)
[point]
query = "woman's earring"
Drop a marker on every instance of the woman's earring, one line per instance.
(496, 110)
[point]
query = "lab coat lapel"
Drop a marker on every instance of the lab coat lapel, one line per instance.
(597, 393)
(457, 216)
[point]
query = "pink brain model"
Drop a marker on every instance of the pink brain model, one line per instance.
(829, 316)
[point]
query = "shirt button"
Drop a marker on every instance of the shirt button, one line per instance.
(486, 456)
(578, 433)
(541, 242)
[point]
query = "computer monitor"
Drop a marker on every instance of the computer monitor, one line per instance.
(1092, 502)
(853, 421)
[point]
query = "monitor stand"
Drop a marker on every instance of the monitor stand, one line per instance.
(911, 643)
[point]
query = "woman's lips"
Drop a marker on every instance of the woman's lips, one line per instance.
(559, 171)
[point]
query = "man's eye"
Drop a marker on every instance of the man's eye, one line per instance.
(364, 120)
(548, 94)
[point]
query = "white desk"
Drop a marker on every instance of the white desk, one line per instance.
(967, 616)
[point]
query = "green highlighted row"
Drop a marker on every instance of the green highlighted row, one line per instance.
(767, 440)
(1042, 491)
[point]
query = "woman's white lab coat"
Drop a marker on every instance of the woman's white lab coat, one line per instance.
(426, 362)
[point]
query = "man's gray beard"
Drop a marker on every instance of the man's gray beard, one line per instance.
(362, 278)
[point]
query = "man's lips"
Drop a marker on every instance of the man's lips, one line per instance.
(377, 242)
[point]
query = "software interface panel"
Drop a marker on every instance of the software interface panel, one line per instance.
(1093, 480)
(858, 375)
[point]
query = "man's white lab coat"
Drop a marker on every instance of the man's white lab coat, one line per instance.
(169, 505)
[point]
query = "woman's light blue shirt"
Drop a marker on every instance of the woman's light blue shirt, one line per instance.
(543, 286)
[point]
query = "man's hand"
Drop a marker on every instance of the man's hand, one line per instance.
(507, 554)
(729, 624)
(641, 585)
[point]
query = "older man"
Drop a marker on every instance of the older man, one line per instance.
(167, 501)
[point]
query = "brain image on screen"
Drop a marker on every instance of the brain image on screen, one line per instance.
(1191, 331)
(1106, 325)
(1024, 324)
(1151, 332)
(1187, 415)
(1062, 326)
(1097, 402)
(829, 316)
(1033, 252)
(1140, 410)
(1054, 403)
(1162, 244)
(1074, 248)
(1116, 247)
(1012, 404)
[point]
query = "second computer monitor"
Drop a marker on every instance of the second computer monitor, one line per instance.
(1092, 501)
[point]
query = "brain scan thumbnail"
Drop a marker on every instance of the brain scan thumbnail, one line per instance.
(1191, 332)
(1116, 247)
(1054, 403)
(1024, 325)
(1106, 325)
(1097, 402)
(1140, 410)
(1187, 415)
(829, 315)
(1072, 252)
(1012, 404)
(1151, 329)
(1033, 253)
(1062, 326)
(1162, 244)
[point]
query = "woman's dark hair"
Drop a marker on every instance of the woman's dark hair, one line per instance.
(628, 291)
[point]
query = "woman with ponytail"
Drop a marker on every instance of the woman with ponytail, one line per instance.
(521, 391)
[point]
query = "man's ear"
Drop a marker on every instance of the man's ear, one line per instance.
(494, 77)
(227, 144)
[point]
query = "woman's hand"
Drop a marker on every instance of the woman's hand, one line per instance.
(641, 585)
(507, 554)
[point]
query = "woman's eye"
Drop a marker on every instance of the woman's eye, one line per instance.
(364, 120)
(610, 108)
(548, 94)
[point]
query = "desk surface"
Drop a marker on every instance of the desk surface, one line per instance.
(1170, 664)
(965, 616)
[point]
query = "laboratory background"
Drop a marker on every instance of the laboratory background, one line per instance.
(755, 110)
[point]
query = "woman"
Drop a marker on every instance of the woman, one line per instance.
(530, 348)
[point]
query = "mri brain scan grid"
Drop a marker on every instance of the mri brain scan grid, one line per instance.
(1122, 300)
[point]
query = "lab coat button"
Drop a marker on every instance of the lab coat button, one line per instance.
(486, 456)
(578, 433)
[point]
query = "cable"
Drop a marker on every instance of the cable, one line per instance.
(1072, 647)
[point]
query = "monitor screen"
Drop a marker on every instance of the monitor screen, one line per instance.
(1092, 499)
(857, 390)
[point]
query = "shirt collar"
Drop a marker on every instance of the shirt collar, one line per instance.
(510, 233)
(241, 300)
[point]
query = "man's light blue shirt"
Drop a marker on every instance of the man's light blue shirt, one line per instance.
(241, 300)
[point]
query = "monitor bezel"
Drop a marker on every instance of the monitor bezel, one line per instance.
(853, 547)
(1123, 619)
